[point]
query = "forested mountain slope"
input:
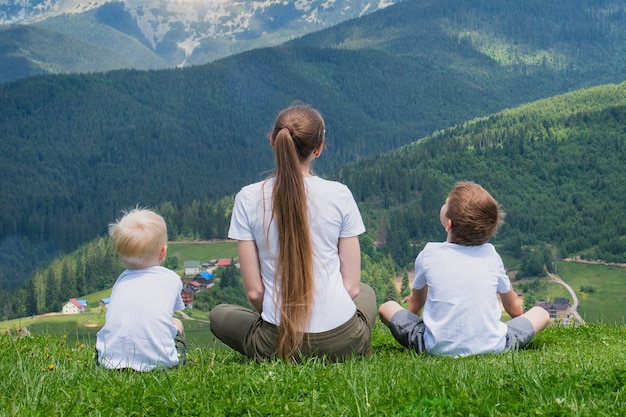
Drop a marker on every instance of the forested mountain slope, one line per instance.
(76, 149)
(566, 42)
(556, 166)
(26, 51)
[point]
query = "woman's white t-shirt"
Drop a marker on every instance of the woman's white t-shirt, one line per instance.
(332, 214)
(462, 312)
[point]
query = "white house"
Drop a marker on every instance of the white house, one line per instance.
(75, 306)
(192, 267)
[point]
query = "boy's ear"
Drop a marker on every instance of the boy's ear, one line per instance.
(163, 253)
(449, 225)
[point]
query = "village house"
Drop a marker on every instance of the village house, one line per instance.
(559, 310)
(75, 306)
(204, 280)
(192, 267)
(194, 285)
(224, 262)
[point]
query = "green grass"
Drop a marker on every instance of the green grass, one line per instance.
(552, 291)
(548, 290)
(202, 251)
(577, 371)
(73, 325)
(606, 304)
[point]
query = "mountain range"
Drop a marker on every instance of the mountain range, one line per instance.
(76, 149)
(64, 36)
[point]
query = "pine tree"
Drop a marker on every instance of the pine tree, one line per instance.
(391, 292)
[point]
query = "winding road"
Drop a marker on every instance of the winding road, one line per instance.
(575, 303)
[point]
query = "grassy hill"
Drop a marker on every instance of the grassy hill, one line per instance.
(565, 371)
(200, 251)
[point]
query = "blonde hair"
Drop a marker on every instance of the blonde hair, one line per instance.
(475, 214)
(297, 132)
(139, 237)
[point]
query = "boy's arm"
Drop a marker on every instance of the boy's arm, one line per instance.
(511, 303)
(251, 273)
(417, 299)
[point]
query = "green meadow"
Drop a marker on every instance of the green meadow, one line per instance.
(566, 371)
(606, 303)
(576, 371)
(201, 251)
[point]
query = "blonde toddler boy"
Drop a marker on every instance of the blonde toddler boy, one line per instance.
(140, 331)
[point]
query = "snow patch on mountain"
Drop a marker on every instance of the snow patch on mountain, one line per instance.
(188, 24)
(31, 11)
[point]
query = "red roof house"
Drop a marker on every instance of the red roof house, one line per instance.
(225, 262)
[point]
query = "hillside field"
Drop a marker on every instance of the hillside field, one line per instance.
(201, 251)
(606, 303)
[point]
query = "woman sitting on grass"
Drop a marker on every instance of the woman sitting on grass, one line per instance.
(300, 257)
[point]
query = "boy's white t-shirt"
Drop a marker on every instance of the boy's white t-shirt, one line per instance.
(462, 312)
(332, 213)
(139, 332)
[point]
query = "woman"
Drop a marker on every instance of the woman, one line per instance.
(299, 255)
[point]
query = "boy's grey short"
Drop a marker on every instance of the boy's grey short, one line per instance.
(408, 330)
(519, 333)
